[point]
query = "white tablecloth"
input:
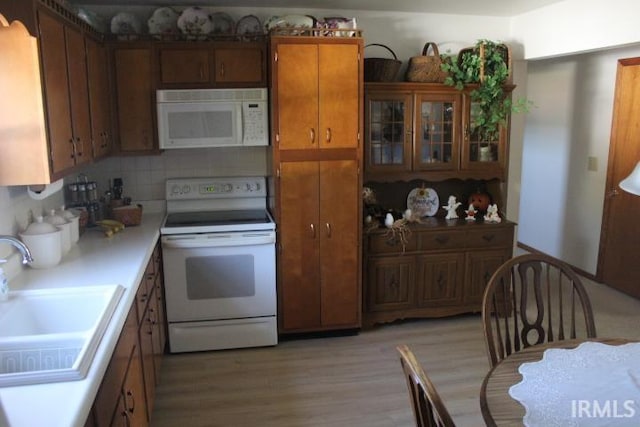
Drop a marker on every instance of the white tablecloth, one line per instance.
(593, 384)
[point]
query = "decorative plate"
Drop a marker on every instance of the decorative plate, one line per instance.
(249, 25)
(163, 21)
(223, 23)
(195, 23)
(423, 201)
(290, 21)
(125, 24)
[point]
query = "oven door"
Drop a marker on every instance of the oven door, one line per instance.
(219, 275)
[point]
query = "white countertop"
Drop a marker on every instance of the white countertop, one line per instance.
(94, 260)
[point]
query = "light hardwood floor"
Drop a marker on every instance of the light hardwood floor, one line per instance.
(351, 380)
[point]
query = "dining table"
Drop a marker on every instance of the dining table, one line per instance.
(498, 406)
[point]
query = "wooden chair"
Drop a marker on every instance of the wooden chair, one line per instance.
(532, 299)
(427, 406)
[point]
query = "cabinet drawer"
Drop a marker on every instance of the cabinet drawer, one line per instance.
(490, 238)
(388, 243)
(438, 240)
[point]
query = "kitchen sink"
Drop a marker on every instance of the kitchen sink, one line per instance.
(51, 335)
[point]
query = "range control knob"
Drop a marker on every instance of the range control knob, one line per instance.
(186, 189)
(175, 189)
(228, 188)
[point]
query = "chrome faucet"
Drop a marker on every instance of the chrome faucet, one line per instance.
(24, 250)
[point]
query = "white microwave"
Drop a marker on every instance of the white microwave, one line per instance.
(212, 118)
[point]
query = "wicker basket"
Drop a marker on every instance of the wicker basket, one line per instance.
(506, 54)
(381, 69)
(426, 68)
(128, 215)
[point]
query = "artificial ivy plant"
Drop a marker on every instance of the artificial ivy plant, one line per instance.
(493, 104)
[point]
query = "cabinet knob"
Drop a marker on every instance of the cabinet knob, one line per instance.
(313, 231)
(328, 230)
(328, 134)
(222, 70)
(488, 237)
(312, 135)
(442, 239)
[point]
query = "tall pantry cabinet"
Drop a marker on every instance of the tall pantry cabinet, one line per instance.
(316, 109)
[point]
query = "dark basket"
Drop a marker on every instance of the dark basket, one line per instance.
(381, 69)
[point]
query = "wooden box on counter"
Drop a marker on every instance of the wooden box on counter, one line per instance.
(441, 270)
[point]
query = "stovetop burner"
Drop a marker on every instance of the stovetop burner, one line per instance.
(217, 218)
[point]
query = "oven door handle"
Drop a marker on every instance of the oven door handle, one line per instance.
(218, 240)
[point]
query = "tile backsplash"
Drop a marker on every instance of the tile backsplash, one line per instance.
(143, 177)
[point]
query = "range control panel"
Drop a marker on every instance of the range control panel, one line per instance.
(215, 188)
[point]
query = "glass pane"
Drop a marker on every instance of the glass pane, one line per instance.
(480, 150)
(208, 277)
(387, 132)
(436, 124)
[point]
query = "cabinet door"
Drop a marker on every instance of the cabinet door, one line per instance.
(135, 98)
(79, 95)
(147, 357)
(133, 393)
(478, 153)
(339, 243)
(296, 77)
(98, 98)
(184, 65)
(242, 65)
(339, 95)
(388, 117)
(390, 283)
(436, 131)
(480, 266)
(440, 279)
(58, 106)
(299, 289)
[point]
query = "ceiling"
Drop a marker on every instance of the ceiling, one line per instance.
(456, 7)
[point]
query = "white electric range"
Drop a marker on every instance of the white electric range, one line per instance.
(218, 245)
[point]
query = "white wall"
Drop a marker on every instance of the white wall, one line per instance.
(574, 26)
(561, 201)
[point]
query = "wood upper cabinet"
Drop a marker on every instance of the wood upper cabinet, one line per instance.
(319, 257)
(98, 78)
(240, 64)
(211, 64)
(64, 65)
(429, 129)
(179, 65)
(316, 93)
(135, 98)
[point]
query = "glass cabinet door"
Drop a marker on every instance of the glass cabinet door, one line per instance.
(388, 132)
(436, 132)
(479, 151)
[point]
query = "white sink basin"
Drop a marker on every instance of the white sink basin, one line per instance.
(52, 335)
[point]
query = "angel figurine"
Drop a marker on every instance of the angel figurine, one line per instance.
(471, 213)
(492, 214)
(451, 207)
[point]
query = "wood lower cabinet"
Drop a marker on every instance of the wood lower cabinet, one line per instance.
(211, 64)
(134, 98)
(441, 271)
(319, 284)
(127, 393)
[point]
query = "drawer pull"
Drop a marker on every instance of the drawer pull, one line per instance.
(488, 237)
(442, 239)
